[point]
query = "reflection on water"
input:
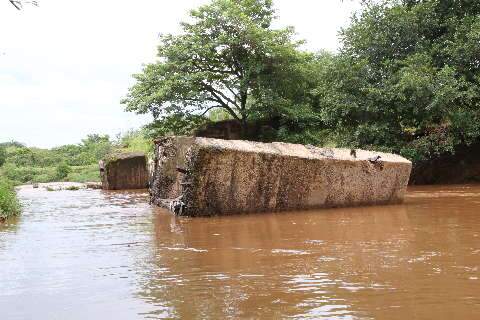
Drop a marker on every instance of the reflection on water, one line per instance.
(94, 255)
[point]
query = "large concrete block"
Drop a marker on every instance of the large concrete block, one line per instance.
(203, 177)
(124, 171)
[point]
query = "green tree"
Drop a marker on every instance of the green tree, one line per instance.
(407, 78)
(93, 148)
(22, 156)
(227, 57)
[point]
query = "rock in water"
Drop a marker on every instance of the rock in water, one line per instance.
(124, 171)
(93, 185)
(233, 176)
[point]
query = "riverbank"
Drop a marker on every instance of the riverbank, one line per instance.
(461, 167)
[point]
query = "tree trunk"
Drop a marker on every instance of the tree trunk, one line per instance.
(244, 125)
(243, 112)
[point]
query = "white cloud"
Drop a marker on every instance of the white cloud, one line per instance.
(65, 65)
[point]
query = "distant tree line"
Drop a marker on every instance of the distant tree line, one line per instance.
(74, 162)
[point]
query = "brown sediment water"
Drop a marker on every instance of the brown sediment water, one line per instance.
(90, 254)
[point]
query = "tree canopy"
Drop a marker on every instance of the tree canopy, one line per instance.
(227, 57)
(407, 77)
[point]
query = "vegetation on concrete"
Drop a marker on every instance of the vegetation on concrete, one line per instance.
(406, 78)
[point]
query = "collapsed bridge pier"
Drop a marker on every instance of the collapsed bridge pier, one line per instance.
(204, 177)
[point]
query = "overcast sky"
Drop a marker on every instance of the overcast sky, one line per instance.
(65, 65)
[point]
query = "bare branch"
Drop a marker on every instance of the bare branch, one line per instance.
(231, 90)
(219, 94)
(224, 106)
(16, 4)
(19, 3)
(210, 108)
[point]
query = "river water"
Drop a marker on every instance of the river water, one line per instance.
(91, 254)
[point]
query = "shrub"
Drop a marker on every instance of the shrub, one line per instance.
(62, 171)
(3, 156)
(19, 174)
(9, 205)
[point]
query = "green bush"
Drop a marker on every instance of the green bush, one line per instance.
(9, 205)
(48, 175)
(19, 174)
(62, 171)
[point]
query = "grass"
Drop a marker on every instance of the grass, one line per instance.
(9, 205)
(90, 173)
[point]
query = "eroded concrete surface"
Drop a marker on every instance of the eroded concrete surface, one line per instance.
(203, 177)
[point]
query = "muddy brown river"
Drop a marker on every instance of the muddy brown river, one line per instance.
(91, 254)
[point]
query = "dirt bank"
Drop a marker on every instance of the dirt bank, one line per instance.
(460, 168)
